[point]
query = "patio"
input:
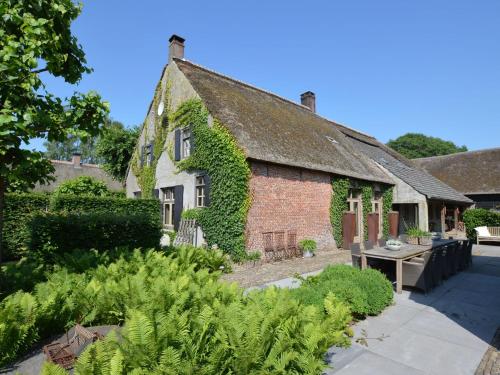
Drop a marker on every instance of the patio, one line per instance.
(446, 331)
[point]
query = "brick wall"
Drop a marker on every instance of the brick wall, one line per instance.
(289, 199)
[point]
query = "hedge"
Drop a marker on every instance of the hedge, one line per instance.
(63, 232)
(20, 208)
(480, 217)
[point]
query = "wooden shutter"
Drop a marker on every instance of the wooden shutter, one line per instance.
(207, 181)
(151, 154)
(191, 140)
(177, 145)
(142, 156)
(178, 203)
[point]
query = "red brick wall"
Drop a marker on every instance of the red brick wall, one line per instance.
(286, 198)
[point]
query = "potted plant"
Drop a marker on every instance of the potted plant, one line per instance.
(308, 246)
(393, 244)
(413, 234)
(425, 238)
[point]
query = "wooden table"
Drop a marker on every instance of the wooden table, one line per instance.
(407, 251)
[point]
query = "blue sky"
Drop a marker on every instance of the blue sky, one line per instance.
(382, 67)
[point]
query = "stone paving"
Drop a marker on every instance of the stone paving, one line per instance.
(251, 276)
(446, 331)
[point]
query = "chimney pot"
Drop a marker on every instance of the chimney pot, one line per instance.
(309, 100)
(77, 160)
(176, 48)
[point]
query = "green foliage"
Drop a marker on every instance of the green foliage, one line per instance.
(414, 232)
(178, 319)
(115, 147)
(386, 207)
(340, 191)
(480, 217)
(366, 200)
(19, 208)
(34, 34)
(64, 150)
(192, 213)
(63, 232)
(366, 292)
(82, 185)
(308, 245)
(253, 255)
(414, 145)
(218, 154)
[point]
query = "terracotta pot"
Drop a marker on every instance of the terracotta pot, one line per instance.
(412, 240)
(426, 241)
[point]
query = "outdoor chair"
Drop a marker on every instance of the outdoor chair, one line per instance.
(462, 265)
(437, 265)
(445, 269)
(468, 254)
(418, 274)
(458, 256)
(356, 255)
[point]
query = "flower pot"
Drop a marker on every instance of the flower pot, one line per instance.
(426, 241)
(412, 240)
(393, 247)
(308, 254)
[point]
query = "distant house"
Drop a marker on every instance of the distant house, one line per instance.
(293, 154)
(475, 174)
(69, 170)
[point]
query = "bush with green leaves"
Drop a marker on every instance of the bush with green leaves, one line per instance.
(177, 319)
(480, 217)
(65, 232)
(308, 244)
(83, 185)
(366, 292)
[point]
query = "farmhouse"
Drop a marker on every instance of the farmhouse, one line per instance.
(264, 170)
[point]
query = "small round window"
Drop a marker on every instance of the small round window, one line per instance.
(160, 109)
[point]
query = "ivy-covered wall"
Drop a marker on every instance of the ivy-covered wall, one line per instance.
(217, 153)
(339, 204)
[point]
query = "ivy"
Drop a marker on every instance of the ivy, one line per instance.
(146, 175)
(217, 153)
(386, 207)
(366, 199)
(340, 191)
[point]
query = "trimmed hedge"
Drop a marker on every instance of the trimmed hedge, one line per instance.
(480, 217)
(366, 292)
(20, 208)
(63, 232)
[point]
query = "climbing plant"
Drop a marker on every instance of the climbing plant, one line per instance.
(217, 153)
(386, 207)
(366, 199)
(340, 191)
(146, 174)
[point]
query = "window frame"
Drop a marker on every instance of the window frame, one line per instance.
(353, 198)
(167, 199)
(200, 191)
(186, 136)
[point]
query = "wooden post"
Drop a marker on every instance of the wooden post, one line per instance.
(443, 218)
(455, 218)
(399, 276)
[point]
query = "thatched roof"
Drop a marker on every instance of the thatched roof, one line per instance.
(273, 129)
(473, 172)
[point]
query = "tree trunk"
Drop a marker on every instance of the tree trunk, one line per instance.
(3, 187)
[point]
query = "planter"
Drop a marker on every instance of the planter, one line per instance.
(393, 247)
(412, 240)
(426, 241)
(308, 254)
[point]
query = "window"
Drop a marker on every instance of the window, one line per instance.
(137, 194)
(200, 191)
(354, 201)
(148, 154)
(186, 143)
(168, 202)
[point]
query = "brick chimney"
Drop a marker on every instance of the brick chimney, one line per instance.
(77, 160)
(309, 100)
(176, 48)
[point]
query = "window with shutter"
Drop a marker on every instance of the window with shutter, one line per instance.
(168, 207)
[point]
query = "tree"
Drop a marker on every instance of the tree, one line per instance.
(64, 150)
(83, 185)
(414, 145)
(36, 38)
(115, 147)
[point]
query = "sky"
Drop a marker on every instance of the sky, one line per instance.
(384, 67)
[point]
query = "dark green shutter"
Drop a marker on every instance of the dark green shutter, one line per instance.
(177, 145)
(207, 181)
(178, 203)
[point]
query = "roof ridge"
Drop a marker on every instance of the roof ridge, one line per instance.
(270, 93)
(460, 153)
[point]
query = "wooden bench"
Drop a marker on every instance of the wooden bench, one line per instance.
(491, 234)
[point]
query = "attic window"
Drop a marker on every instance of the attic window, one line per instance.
(331, 139)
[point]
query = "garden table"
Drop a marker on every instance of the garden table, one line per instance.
(406, 252)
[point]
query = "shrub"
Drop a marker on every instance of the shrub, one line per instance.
(480, 217)
(308, 245)
(367, 292)
(83, 185)
(19, 209)
(177, 319)
(191, 213)
(64, 232)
